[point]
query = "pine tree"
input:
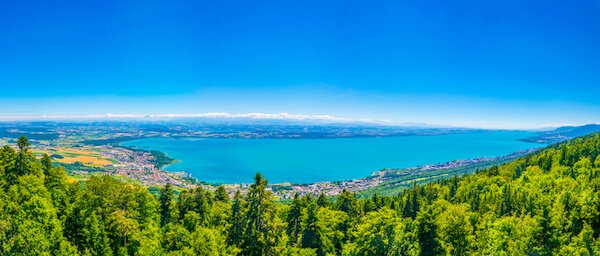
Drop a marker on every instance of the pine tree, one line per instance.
(294, 220)
(427, 232)
(322, 201)
(258, 220)
(310, 234)
(221, 194)
(167, 205)
(236, 221)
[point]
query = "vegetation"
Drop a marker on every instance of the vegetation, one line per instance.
(85, 156)
(110, 141)
(407, 178)
(77, 166)
(542, 204)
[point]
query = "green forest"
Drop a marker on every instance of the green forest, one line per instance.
(546, 203)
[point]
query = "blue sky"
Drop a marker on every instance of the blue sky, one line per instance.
(500, 64)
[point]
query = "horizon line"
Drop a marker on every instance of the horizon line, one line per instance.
(284, 116)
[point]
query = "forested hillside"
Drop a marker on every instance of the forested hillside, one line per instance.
(543, 204)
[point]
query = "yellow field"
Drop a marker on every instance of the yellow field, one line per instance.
(86, 156)
(88, 160)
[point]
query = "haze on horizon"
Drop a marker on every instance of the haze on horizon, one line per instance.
(486, 64)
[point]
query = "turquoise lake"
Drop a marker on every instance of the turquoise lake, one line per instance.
(311, 160)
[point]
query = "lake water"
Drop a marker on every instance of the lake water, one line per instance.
(310, 160)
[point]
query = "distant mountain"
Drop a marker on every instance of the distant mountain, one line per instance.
(563, 133)
(221, 118)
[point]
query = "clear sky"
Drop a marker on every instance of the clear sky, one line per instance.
(502, 64)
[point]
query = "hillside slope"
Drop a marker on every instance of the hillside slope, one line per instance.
(563, 133)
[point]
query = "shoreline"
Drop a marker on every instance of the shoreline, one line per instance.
(368, 174)
(391, 180)
(398, 178)
(389, 177)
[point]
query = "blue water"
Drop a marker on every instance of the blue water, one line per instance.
(310, 160)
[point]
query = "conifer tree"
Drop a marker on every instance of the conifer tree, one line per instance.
(221, 194)
(167, 205)
(258, 220)
(236, 221)
(294, 220)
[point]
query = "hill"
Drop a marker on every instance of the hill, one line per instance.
(564, 133)
(546, 203)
